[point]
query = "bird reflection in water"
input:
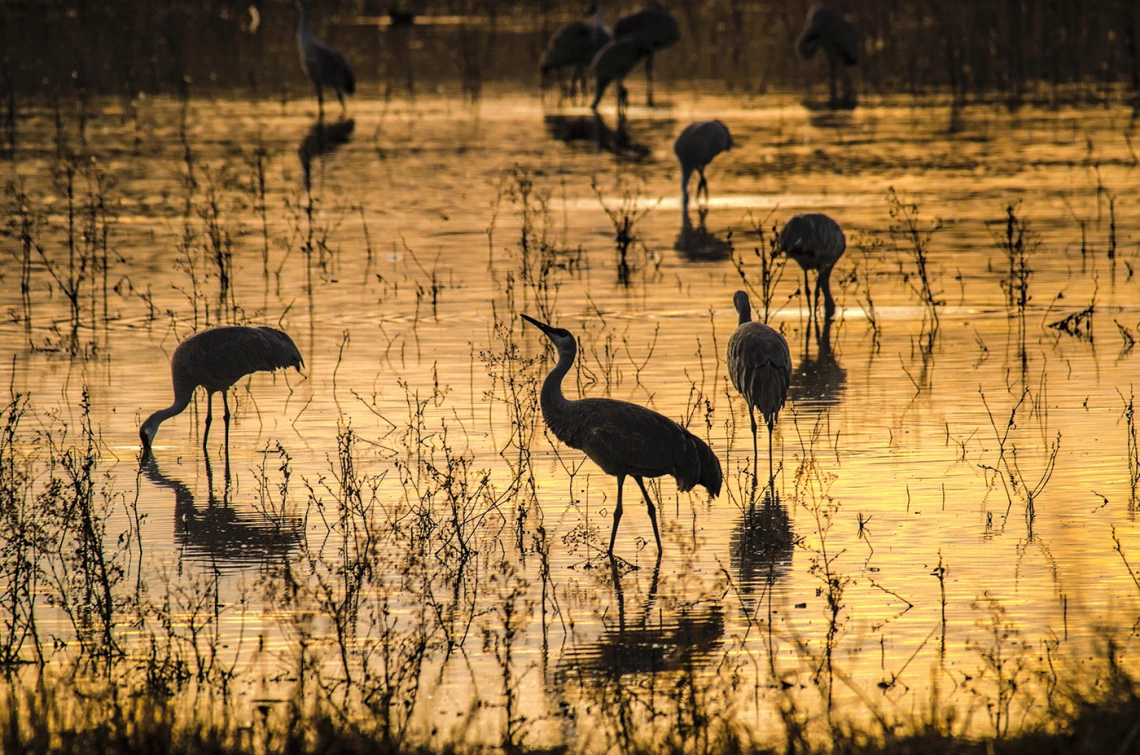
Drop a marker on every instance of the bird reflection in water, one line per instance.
(575, 129)
(655, 643)
(697, 244)
(817, 381)
(762, 543)
(218, 533)
(322, 139)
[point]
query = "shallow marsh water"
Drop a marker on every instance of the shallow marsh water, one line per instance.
(399, 275)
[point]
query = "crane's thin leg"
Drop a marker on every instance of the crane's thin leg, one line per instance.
(832, 65)
(209, 418)
(771, 466)
(649, 80)
(807, 293)
(702, 184)
(343, 104)
(824, 282)
(320, 104)
(617, 514)
(652, 514)
(755, 447)
(226, 417)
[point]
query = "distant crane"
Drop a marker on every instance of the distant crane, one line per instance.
(574, 45)
(216, 359)
(624, 439)
(760, 366)
(613, 63)
(657, 26)
(816, 242)
(827, 29)
(695, 148)
(325, 66)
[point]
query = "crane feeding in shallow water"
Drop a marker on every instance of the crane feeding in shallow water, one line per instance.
(760, 366)
(574, 45)
(695, 148)
(216, 359)
(325, 66)
(815, 242)
(624, 439)
(658, 28)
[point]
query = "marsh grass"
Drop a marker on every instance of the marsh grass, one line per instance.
(911, 237)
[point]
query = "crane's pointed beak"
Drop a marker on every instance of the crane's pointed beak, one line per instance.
(540, 325)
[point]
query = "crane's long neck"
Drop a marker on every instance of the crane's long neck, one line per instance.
(554, 404)
(303, 32)
(598, 23)
(745, 310)
(181, 401)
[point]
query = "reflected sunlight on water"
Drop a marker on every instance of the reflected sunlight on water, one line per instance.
(409, 461)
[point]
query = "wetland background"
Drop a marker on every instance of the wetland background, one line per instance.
(395, 554)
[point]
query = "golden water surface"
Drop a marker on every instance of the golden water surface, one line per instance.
(925, 548)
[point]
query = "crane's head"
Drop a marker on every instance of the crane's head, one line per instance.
(563, 339)
(147, 432)
(742, 305)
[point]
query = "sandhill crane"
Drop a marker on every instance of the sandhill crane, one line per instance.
(623, 439)
(827, 29)
(613, 63)
(657, 26)
(760, 366)
(816, 242)
(325, 67)
(695, 148)
(216, 359)
(575, 45)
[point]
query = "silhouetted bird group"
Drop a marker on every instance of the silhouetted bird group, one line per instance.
(624, 439)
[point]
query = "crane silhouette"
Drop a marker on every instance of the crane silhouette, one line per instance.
(613, 63)
(624, 439)
(325, 66)
(216, 359)
(815, 242)
(657, 26)
(695, 148)
(760, 366)
(574, 45)
(827, 29)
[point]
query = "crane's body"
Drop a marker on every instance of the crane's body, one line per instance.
(828, 30)
(624, 439)
(760, 367)
(655, 25)
(324, 66)
(815, 242)
(575, 45)
(613, 63)
(695, 148)
(215, 359)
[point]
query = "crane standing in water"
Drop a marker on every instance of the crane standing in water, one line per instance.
(827, 29)
(216, 359)
(613, 63)
(760, 366)
(325, 66)
(575, 44)
(657, 26)
(624, 439)
(695, 148)
(816, 242)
